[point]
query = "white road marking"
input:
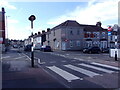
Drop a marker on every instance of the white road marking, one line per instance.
(97, 68)
(86, 72)
(66, 75)
(19, 57)
(6, 57)
(39, 61)
(63, 61)
(104, 65)
(52, 62)
(27, 56)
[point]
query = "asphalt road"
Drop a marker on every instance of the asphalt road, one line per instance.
(79, 70)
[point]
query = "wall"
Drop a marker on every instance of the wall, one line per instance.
(112, 53)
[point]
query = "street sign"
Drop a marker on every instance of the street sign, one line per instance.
(109, 28)
(109, 33)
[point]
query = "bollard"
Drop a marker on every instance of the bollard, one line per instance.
(115, 55)
(32, 55)
(32, 59)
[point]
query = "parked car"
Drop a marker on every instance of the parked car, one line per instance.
(15, 46)
(46, 48)
(92, 50)
(37, 46)
(27, 48)
(105, 50)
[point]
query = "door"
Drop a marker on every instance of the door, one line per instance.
(63, 46)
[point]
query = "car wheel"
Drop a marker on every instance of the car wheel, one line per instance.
(90, 52)
(99, 52)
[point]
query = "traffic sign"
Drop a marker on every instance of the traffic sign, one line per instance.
(109, 28)
(109, 33)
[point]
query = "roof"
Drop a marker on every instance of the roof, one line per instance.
(73, 23)
(94, 28)
(67, 23)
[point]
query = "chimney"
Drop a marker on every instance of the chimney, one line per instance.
(98, 24)
(39, 33)
(35, 34)
(43, 31)
(48, 29)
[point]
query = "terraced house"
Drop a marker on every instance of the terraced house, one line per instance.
(70, 35)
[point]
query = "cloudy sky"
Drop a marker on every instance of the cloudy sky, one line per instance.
(49, 14)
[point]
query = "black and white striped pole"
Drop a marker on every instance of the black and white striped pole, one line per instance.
(32, 18)
(115, 30)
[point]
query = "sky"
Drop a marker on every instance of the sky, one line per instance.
(51, 13)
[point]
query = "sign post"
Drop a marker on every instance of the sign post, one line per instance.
(115, 30)
(32, 18)
(109, 34)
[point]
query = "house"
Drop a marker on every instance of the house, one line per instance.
(70, 35)
(38, 39)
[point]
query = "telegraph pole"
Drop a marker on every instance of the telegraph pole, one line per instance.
(32, 18)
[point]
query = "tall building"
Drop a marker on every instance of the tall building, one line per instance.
(2, 29)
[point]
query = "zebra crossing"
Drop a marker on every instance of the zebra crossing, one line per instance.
(82, 68)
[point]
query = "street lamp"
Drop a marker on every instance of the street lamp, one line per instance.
(32, 18)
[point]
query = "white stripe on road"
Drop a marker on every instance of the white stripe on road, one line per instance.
(27, 56)
(6, 57)
(86, 72)
(108, 66)
(63, 61)
(19, 57)
(68, 76)
(52, 62)
(97, 68)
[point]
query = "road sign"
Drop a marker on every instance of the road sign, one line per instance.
(109, 33)
(109, 28)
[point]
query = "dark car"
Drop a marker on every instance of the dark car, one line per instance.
(27, 48)
(46, 48)
(105, 50)
(92, 50)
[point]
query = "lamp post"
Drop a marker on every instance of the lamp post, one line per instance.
(7, 26)
(32, 18)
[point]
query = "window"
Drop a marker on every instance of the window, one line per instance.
(71, 32)
(103, 34)
(71, 43)
(98, 34)
(78, 43)
(78, 32)
(87, 34)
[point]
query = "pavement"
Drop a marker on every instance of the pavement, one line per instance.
(18, 73)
